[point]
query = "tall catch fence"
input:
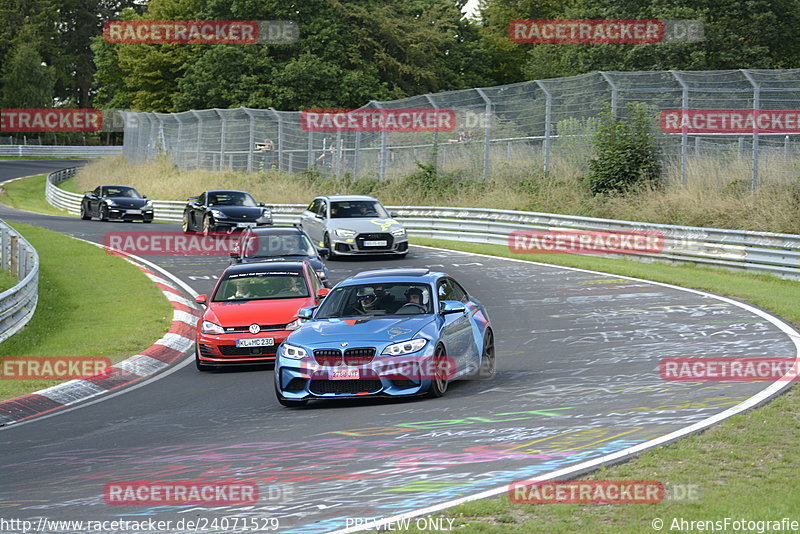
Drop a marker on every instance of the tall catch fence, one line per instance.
(539, 124)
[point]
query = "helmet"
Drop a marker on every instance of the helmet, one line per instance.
(413, 291)
(367, 296)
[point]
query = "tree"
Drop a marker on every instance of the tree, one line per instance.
(27, 83)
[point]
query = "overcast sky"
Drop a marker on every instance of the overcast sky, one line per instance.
(471, 8)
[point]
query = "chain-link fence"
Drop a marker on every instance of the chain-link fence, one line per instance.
(544, 124)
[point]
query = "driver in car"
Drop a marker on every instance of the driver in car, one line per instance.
(414, 302)
(367, 301)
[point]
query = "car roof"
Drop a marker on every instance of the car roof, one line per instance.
(113, 185)
(224, 191)
(276, 230)
(347, 197)
(394, 275)
(266, 266)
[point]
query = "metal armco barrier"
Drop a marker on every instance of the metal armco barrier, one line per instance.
(765, 252)
(18, 303)
(47, 151)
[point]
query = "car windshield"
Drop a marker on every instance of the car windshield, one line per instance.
(261, 285)
(376, 299)
(353, 209)
(273, 246)
(231, 198)
(127, 192)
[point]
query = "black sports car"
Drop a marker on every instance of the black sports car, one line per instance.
(279, 243)
(116, 202)
(224, 210)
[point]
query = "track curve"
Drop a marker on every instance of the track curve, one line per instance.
(577, 379)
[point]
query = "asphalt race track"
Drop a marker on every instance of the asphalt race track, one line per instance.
(577, 379)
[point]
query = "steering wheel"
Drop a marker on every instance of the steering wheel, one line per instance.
(412, 305)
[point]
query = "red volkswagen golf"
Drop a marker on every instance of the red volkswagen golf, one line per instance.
(251, 311)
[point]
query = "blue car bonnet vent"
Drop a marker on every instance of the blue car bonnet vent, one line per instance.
(392, 272)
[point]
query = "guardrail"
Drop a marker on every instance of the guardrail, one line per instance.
(764, 252)
(18, 303)
(51, 151)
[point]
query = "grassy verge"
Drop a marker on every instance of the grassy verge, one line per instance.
(29, 194)
(745, 467)
(712, 197)
(7, 280)
(90, 304)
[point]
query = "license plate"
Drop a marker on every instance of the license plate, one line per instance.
(375, 243)
(245, 225)
(135, 212)
(343, 374)
(256, 342)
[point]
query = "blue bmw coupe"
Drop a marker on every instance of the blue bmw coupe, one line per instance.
(389, 332)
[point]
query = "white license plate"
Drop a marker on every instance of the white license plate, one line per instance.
(375, 243)
(256, 342)
(135, 212)
(245, 225)
(343, 374)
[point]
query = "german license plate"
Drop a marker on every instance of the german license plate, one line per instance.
(135, 212)
(375, 243)
(343, 374)
(245, 225)
(256, 342)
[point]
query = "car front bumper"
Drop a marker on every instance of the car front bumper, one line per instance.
(221, 349)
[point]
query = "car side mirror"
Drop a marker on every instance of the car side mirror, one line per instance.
(262, 204)
(451, 306)
(307, 312)
(201, 299)
(144, 196)
(324, 252)
(322, 292)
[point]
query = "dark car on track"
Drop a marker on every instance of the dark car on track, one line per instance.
(278, 243)
(251, 310)
(214, 211)
(119, 202)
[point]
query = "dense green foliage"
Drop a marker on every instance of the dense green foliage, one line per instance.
(625, 153)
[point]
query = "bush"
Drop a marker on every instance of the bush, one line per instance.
(625, 153)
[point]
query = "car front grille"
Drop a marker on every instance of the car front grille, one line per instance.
(320, 387)
(233, 350)
(207, 351)
(234, 329)
(330, 357)
(359, 356)
(360, 238)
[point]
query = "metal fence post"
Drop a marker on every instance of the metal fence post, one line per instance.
(356, 155)
(435, 148)
(487, 136)
(14, 255)
(310, 150)
(756, 106)
(384, 148)
(547, 121)
(199, 132)
(684, 128)
(252, 146)
(280, 137)
(614, 92)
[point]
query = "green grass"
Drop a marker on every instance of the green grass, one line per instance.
(746, 466)
(28, 194)
(7, 280)
(90, 304)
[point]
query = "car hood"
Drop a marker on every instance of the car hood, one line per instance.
(381, 330)
(126, 202)
(366, 225)
(239, 211)
(244, 313)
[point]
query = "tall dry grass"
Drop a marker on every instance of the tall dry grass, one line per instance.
(717, 193)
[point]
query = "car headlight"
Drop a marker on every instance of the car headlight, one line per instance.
(211, 328)
(148, 206)
(294, 325)
(400, 232)
(295, 353)
(404, 347)
(341, 232)
(110, 202)
(266, 216)
(217, 214)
